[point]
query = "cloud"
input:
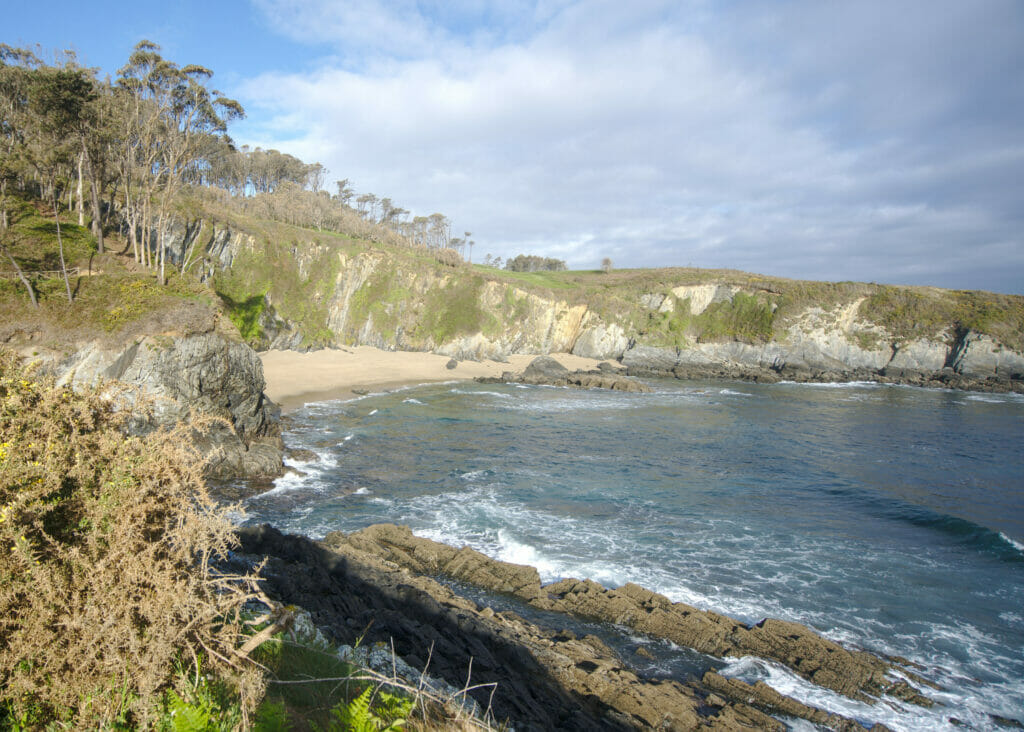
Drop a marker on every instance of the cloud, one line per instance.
(864, 141)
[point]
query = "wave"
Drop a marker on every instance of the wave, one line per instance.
(1015, 544)
(835, 384)
(966, 533)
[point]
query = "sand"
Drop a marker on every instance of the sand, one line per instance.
(294, 379)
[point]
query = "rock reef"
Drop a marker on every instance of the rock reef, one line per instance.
(384, 584)
(547, 371)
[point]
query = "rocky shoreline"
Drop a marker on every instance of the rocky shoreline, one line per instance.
(982, 376)
(383, 584)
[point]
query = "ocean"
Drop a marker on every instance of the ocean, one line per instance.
(887, 518)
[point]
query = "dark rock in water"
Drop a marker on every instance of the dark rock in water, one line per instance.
(301, 454)
(856, 674)
(547, 371)
(452, 363)
(544, 370)
(539, 682)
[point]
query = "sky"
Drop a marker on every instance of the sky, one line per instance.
(813, 139)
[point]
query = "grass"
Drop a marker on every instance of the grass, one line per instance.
(269, 271)
(454, 309)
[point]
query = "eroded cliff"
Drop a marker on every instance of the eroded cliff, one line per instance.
(323, 291)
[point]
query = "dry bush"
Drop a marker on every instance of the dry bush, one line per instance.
(448, 257)
(105, 544)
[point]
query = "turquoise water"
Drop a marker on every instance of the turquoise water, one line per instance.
(889, 518)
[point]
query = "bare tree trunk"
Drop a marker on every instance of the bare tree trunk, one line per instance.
(81, 202)
(4, 221)
(21, 276)
(60, 246)
(147, 255)
(94, 200)
(161, 256)
(97, 215)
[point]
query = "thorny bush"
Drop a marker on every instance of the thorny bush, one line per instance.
(105, 549)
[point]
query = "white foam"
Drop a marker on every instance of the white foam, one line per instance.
(471, 392)
(519, 553)
(730, 392)
(285, 484)
(410, 400)
(1012, 618)
(473, 475)
(893, 713)
(835, 384)
(371, 412)
(1015, 544)
(987, 398)
(361, 491)
(348, 437)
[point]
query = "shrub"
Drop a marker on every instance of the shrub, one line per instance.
(105, 550)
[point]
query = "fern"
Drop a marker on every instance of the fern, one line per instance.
(186, 717)
(358, 716)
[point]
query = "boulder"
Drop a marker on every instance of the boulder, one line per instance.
(544, 370)
(194, 378)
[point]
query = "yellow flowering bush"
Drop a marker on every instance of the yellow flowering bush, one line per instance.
(105, 545)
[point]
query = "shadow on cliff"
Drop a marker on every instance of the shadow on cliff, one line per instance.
(345, 601)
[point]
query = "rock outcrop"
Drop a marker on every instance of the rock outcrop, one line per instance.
(204, 375)
(545, 370)
(375, 584)
(856, 674)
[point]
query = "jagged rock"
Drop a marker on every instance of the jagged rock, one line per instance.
(543, 679)
(544, 370)
(979, 356)
(856, 674)
(301, 454)
(601, 341)
(370, 583)
(702, 296)
(198, 375)
(762, 696)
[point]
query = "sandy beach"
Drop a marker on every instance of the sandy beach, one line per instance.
(294, 379)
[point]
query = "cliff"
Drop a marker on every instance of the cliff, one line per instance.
(300, 289)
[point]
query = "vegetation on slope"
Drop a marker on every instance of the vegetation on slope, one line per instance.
(112, 614)
(105, 550)
(110, 300)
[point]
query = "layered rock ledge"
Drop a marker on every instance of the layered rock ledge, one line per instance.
(382, 583)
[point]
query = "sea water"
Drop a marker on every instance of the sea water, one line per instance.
(887, 518)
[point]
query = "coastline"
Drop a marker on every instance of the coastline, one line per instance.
(294, 379)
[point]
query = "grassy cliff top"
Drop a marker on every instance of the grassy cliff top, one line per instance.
(295, 269)
(112, 298)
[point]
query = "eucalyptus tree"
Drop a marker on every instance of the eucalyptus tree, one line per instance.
(345, 191)
(59, 99)
(16, 65)
(173, 115)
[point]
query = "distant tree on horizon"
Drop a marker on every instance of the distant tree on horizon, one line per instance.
(534, 263)
(606, 265)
